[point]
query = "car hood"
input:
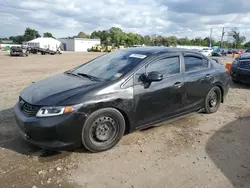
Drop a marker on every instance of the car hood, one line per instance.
(243, 56)
(55, 89)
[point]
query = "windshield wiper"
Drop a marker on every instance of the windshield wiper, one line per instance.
(93, 78)
(71, 73)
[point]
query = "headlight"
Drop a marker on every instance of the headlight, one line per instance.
(48, 111)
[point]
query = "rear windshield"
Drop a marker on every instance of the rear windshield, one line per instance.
(113, 65)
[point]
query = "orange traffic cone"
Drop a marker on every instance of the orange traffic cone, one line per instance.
(228, 67)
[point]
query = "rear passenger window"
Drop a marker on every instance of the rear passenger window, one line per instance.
(195, 63)
(166, 66)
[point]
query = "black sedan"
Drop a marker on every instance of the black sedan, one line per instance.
(98, 102)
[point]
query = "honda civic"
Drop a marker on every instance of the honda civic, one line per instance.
(96, 103)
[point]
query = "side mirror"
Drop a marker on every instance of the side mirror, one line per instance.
(154, 76)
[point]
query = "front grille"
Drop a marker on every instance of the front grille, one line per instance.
(245, 64)
(28, 109)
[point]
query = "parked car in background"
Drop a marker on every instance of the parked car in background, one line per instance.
(98, 102)
(207, 51)
(18, 51)
(229, 51)
(248, 50)
(219, 53)
(240, 68)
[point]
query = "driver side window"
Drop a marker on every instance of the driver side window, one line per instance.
(167, 66)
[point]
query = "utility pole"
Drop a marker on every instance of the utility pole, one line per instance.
(211, 31)
(222, 35)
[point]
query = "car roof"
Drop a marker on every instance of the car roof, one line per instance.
(153, 50)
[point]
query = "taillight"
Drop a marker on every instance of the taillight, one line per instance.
(228, 67)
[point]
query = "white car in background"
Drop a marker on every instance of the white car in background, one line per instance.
(207, 51)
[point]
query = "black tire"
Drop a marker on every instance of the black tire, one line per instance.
(213, 100)
(95, 131)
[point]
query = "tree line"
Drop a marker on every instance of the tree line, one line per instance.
(29, 34)
(116, 36)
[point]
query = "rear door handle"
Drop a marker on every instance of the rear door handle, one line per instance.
(208, 76)
(178, 85)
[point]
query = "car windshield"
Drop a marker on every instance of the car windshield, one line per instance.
(111, 66)
(248, 50)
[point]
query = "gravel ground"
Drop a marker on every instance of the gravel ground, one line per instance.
(197, 151)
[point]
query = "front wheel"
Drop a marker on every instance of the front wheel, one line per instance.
(103, 129)
(213, 100)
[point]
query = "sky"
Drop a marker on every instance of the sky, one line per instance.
(182, 18)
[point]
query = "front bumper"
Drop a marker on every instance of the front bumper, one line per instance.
(241, 75)
(58, 132)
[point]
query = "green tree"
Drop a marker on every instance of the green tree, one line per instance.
(206, 41)
(118, 37)
(94, 35)
(159, 40)
(82, 35)
(17, 39)
(247, 45)
(130, 41)
(183, 41)
(30, 34)
(147, 40)
(48, 34)
(238, 40)
(173, 40)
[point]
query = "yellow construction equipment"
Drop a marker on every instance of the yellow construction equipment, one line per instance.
(108, 49)
(102, 48)
(97, 48)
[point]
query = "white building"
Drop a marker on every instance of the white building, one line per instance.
(79, 44)
(44, 42)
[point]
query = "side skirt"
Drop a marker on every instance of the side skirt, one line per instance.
(169, 119)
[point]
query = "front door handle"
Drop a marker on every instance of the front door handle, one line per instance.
(178, 85)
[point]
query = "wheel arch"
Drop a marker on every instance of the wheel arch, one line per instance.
(219, 85)
(117, 107)
(127, 120)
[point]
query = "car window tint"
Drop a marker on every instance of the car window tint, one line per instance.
(166, 66)
(195, 63)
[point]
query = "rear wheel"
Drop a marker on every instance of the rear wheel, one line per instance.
(213, 100)
(103, 129)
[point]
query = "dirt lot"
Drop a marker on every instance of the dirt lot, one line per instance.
(197, 151)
